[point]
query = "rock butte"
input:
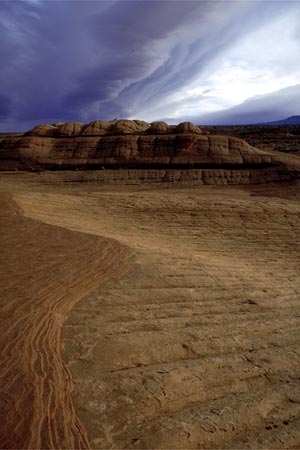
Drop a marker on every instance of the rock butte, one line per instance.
(145, 152)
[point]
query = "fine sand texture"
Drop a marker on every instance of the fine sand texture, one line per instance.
(143, 317)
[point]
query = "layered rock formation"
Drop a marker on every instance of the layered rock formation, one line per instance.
(138, 145)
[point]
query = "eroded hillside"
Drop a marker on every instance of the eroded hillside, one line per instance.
(140, 151)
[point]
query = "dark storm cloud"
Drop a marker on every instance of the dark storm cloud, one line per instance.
(152, 48)
(82, 60)
(132, 40)
(211, 32)
(5, 107)
(43, 46)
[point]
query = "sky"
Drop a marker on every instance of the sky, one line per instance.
(211, 62)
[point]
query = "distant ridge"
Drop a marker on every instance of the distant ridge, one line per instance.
(292, 120)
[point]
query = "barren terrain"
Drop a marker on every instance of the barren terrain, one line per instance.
(282, 138)
(147, 317)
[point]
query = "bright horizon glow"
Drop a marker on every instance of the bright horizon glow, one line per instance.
(246, 71)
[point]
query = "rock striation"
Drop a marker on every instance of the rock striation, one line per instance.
(141, 146)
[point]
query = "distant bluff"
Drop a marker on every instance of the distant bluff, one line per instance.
(144, 151)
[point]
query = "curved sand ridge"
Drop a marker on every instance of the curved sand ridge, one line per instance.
(45, 270)
(198, 345)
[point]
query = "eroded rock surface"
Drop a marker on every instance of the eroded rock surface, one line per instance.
(138, 145)
(44, 271)
(195, 346)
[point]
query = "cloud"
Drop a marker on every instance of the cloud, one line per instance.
(162, 56)
(85, 60)
(43, 45)
(5, 107)
(136, 42)
(262, 108)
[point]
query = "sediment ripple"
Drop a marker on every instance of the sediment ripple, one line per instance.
(197, 346)
(45, 270)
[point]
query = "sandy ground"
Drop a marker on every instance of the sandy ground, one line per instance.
(149, 318)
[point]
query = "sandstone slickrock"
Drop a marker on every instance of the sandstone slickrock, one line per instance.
(192, 342)
(129, 127)
(70, 129)
(159, 128)
(43, 130)
(36, 408)
(97, 128)
(140, 146)
(188, 127)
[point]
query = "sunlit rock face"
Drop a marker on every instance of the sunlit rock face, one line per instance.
(160, 128)
(69, 129)
(96, 128)
(138, 145)
(128, 127)
(113, 127)
(43, 130)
